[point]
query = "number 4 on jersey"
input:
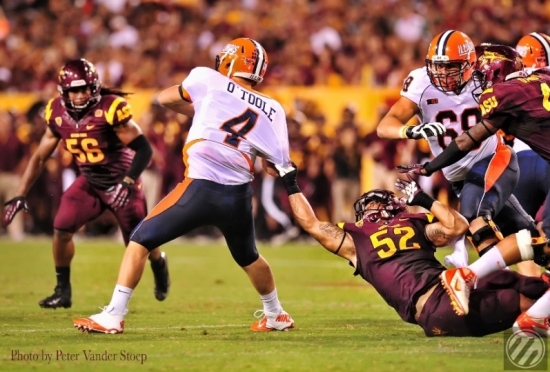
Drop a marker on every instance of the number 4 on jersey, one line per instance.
(239, 126)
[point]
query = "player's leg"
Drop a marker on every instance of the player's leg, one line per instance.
(184, 209)
(128, 218)
(487, 188)
(235, 220)
(512, 249)
(537, 318)
(79, 205)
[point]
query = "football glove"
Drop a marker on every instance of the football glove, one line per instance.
(408, 187)
(289, 176)
(120, 194)
(425, 130)
(414, 194)
(13, 206)
(413, 169)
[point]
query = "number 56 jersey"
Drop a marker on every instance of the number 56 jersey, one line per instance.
(457, 112)
(231, 126)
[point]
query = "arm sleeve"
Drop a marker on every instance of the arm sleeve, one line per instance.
(195, 84)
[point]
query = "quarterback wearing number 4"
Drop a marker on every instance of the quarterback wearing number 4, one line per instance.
(96, 125)
(442, 96)
(232, 125)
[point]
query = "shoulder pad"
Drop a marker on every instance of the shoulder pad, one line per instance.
(116, 109)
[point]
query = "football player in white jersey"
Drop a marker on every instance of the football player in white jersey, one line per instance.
(232, 125)
(534, 50)
(441, 96)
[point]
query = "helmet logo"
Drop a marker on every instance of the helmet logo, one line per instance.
(230, 49)
(466, 48)
(522, 50)
(78, 83)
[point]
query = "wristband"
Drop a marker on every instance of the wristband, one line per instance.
(423, 200)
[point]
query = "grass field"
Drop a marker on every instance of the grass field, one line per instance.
(341, 322)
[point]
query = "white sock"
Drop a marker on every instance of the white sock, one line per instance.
(119, 301)
(488, 263)
(271, 303)
(541, 308)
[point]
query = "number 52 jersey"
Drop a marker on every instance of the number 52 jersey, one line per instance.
(231, 126)
(457, 112)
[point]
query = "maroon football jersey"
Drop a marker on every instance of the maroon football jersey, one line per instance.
(98, 152)
(397, 259)
(521, 107)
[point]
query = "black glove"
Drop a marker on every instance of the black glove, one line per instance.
(288, 175)
(120, 194)
(14, 205)
(425, 130)
(413, 169)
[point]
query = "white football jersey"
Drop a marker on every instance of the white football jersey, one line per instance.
(231, 126)
(457, 113)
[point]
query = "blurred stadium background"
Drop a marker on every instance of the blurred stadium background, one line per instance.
(335, 67)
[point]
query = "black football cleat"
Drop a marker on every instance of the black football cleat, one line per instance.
(162, 277)
(60, 298)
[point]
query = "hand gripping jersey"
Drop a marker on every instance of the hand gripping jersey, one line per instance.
(457, 113)
(397, 259)
(92, 140)
(231, 126)
(521, 107)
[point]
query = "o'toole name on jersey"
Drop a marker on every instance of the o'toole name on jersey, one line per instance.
(252, 99)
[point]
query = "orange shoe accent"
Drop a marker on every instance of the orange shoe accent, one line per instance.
(526, 326)
(88, 325)
(273, 322)
(458, 283)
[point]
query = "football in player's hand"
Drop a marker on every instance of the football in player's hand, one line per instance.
(269, 168)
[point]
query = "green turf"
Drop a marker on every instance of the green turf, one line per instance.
(341, 322)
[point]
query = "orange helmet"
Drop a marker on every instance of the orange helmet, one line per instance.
(534, 49)
(450, 61)
(243, 57)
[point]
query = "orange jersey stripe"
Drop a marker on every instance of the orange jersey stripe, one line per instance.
(249, 161)
(497, 165)
(186, 155)
(170, 199)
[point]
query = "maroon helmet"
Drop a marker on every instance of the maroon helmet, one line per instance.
(495, 62)
(75, 74)
(388, 205)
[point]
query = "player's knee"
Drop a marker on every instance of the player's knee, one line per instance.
(483, 234)
(525, 303)
(244, 259)
(146, 239)
(63, 236)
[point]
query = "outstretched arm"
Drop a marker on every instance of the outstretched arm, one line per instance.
(330, 236)
(333, 238)
(461, 145)
(176, 99)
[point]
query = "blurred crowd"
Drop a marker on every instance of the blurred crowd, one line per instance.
(154, 44)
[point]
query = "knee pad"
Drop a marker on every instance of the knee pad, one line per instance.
(537, 251)
(487, 232)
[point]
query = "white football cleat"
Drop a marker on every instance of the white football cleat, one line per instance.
(272, 322)
(102, 323)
